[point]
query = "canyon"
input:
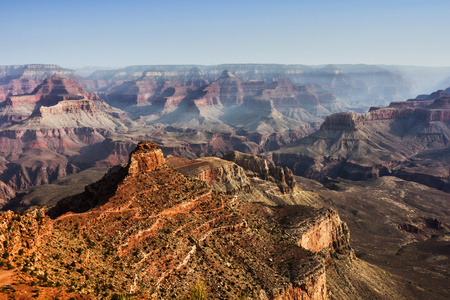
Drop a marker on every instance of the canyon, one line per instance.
(190, 111)
(263, 158)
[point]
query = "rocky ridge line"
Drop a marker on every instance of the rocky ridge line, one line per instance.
(147, 199)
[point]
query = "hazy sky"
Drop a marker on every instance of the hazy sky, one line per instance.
(120, 33)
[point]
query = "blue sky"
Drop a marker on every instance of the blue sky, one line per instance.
(120, 33)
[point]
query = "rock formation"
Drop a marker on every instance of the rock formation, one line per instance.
(6, 193)
(44, 132)
(145, 158)
(220, 175)
(264, 169)
(23, 79)
(325, 234)
(394, 140)
(126, 220)
(354, 84)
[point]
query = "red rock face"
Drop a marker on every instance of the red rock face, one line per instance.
(133, 93)
(231, 90)
(409, 103)
(53, 90)
(438, 111)
(145, 158)
(326, 234)
(313, 288)
(227, 91)
(57, 88)
(389, 114)
(147, 90)
(171, 97)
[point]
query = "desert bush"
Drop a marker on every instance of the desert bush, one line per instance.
(197, 292)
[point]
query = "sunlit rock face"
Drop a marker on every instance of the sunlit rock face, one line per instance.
(145, 158)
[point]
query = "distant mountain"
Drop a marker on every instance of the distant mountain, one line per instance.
(356, 86)
(23, 79)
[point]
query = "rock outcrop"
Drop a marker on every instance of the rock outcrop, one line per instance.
(226, 176)
(325, 234)
(56, 95)
(283, 177)
(6, 193)
(145, 158)
(54, 89)
(221, 175)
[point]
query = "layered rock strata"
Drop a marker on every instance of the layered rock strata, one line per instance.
(23, 79)
(401, 140)
(45, 134)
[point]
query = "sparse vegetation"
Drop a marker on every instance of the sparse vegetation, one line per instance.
(197, 292)
(122, 297)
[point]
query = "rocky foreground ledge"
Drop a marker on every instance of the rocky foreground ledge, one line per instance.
(148, 230)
